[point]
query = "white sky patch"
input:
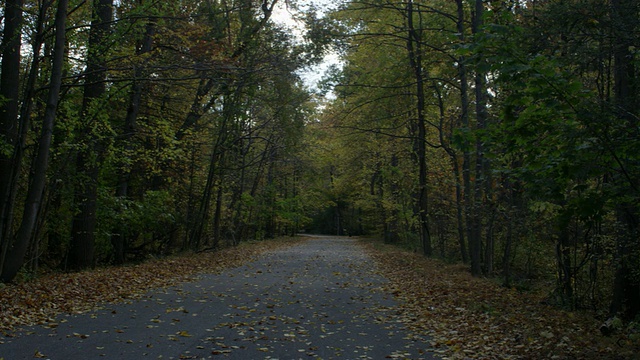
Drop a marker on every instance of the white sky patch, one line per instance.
(285, 15)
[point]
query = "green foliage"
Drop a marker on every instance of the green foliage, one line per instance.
(6, 149)
(137, 219)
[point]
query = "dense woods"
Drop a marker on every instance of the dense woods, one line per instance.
(144, 127)
(504, 135)
(500, 134)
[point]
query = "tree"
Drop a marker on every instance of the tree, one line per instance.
(626, 94)
(129, 129)
(9, 126)
(138, 116)
(82, 246)
(414, 48)
(16, 253)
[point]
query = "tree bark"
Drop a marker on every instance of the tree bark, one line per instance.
(214, 174)
(626, 287)
(475, 238)
(565, 268)
(15, 256)
(467, 189)
(393, 226)
(9, 176)
(414, 48)
(83, 229)
(9, 93)
(217, 218)
(9, 85)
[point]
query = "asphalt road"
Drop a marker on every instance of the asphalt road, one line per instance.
(320, 299)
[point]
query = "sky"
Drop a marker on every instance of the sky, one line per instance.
(282, 14)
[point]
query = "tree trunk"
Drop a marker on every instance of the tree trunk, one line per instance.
(199, 226)
(16, 254)
(9, 87)
(467, 189)
(237, 204)
(626, 287)
(239, 222)
(489, 248)
(9, 177)
(83, 229)
(506, 261)
(217, 218)
(414, 47)
(565, 268)
(118, 238)
(514, 205)
(475, 238)
(460, 212)
(393, 226)
(9, 128)
(270, 203)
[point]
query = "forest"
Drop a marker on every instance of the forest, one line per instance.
(504, 135)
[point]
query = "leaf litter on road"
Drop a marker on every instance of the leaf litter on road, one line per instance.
(464, 317)
(40, 300)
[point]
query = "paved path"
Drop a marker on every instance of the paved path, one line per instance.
(317, 300)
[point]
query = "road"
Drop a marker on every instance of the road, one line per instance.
(320, 299)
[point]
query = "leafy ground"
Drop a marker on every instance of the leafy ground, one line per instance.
(465, 317)
(476, 318)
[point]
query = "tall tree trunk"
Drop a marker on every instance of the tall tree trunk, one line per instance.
(565, 268)
(9, 86)
(489, 249)
(118, 238)
(254, 188)
(83, 229)
(626, 287)
(237, 204)
(506, 261)
(393, 224)
(475, 238)
(467, 189)
(217, 218)
(414, 47)
(294, 187)
(514, 203)
(377, 182)
(9, 128)
(199, 226)
(270, 202)
(459, 210)
(9, 177)
(214, 173)
(16, 254)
